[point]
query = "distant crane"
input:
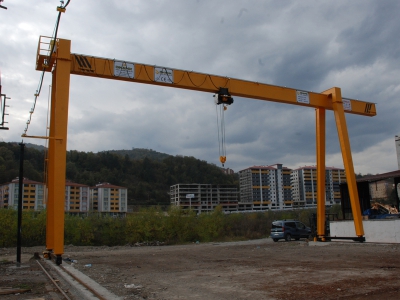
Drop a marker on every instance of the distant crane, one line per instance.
(1, 6)
(3, 106)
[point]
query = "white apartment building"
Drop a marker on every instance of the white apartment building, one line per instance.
(76, 197)
(108, 198)
(304, 186)
(33, 195)
(265, 188)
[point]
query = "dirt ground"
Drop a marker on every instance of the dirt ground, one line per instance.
(259, 269)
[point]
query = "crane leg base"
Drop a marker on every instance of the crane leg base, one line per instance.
(58, 259)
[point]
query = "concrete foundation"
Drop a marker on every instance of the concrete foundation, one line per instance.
(376, 231)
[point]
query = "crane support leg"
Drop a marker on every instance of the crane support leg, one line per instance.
(58, 150)
(337, 103)
(51, 172)
(321, 141)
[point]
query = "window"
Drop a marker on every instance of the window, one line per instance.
(277, 225)
(291, 224)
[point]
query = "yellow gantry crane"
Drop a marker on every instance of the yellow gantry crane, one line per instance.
(61, 62)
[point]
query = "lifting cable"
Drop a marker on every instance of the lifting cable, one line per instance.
(46, 146)
(221, 132)
(224, 98)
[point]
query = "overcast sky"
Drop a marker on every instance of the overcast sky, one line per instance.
(310, 45)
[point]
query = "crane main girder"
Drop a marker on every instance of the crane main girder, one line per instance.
(108, 68)
(92, 66)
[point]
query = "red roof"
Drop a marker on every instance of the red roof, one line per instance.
(271, 167)
(315, 167)
(378, 177)
(107, 185)
(26, 181)
(70, 183)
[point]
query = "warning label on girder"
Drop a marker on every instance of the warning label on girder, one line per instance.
(124, 69)
(346, 104)
(302, 97)
(163, 75)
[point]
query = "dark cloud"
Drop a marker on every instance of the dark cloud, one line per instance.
(306, 45)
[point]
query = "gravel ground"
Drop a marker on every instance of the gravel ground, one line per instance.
(258, 269)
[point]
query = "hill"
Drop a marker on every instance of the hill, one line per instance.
(140, 153)
(148, 180)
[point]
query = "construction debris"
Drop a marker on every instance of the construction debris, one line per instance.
(381, 211)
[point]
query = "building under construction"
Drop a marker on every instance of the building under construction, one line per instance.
(203, 198)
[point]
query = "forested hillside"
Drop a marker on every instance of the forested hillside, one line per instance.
(148, 180)
(137, 153)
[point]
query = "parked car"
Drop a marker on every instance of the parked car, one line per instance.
(288, 230)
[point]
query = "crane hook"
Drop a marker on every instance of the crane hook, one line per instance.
(225, 99)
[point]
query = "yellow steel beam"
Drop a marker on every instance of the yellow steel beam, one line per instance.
(58, 150)
(135, 72)
(320, 135)
(336, 96)
(51, 171)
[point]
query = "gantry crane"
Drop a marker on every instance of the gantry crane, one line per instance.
(61, 62)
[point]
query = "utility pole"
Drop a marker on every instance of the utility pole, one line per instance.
(20, 196)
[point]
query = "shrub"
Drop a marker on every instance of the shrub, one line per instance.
(147, 225)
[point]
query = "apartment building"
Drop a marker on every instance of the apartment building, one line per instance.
(334, 176)
(76, 197)
(108, 198)
(79, 198)
(265, 188)
(33, 195)
(204, 197)
(304, 186)
(227, 171)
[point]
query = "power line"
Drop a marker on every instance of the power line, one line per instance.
(39, 88)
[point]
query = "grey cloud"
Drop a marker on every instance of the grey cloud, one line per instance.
(300, 44)
(243, 10)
